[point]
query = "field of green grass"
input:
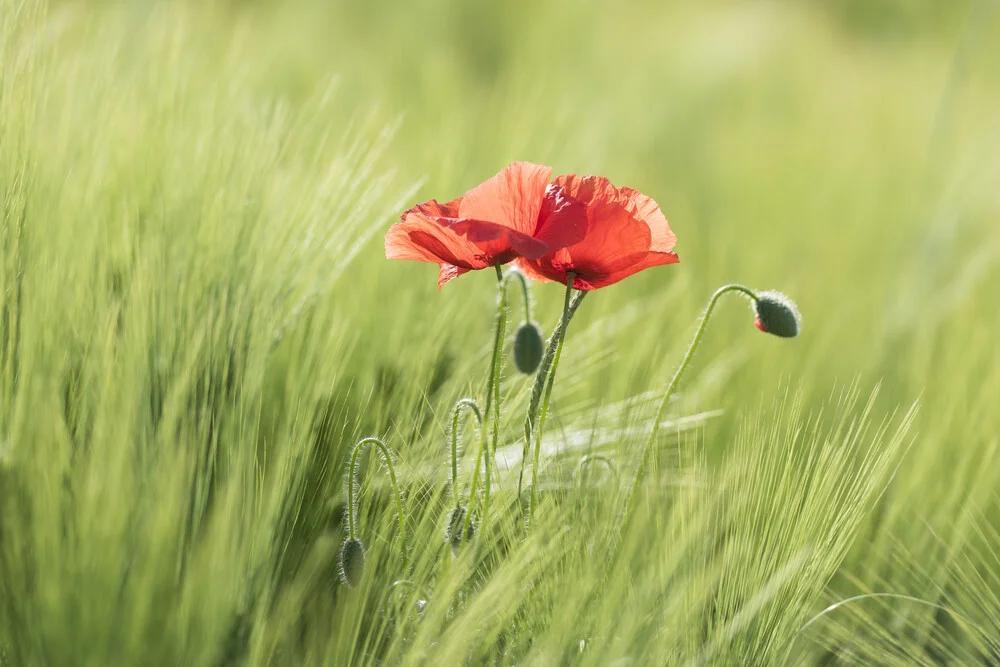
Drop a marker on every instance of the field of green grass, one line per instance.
(198, 322)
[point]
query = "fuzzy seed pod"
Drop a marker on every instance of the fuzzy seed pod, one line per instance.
(453, 534)
(352, 562)
(528, 348)
(777, 315)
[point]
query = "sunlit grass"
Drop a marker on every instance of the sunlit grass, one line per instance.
(197, 324)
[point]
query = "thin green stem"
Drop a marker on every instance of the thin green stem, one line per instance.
(524, 290)
(492, 395)
(498, 336)
(540, 378)
(456, 413)
(688, 356)
(351, 521)
(545, 402)
(474, 486)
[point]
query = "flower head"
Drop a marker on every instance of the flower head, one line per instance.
(777, 315)
(492, 224)
(352, 562)
(625, 233)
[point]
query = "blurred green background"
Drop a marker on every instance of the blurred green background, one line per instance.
(198, 318)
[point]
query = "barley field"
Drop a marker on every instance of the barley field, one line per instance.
(198, 322)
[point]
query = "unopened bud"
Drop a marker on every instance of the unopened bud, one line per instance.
(352, 562)
(777, 315)
(528, 348)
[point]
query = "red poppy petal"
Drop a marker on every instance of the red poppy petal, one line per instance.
(613, 236)
(625, 233)
(662, 238)
(449, 272)
(432, 209)
(533, 271)
(562, 221)
(512, 198)
(426, 240)
(497, 239)
(591, 190)
(635, 264)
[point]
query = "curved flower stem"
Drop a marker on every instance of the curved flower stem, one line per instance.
(524, 291)
(673, 387)
(351, 509)
(456, 413)
(545, 402)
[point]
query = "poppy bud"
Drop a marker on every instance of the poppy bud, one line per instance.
(453, 534)
(528, 348)
(352, 562)
(777, 315)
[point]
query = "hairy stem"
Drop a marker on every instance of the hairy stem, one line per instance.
(456, 413)
(492, 398)
(545, 402)
(540, 379)
(692, 348)
(524, 291)
(351, 509)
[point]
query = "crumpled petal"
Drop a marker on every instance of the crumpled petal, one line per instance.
(562, 221)
(512, 198)
(449, 272)
(482, 233)
(625, 233)
(425, 239)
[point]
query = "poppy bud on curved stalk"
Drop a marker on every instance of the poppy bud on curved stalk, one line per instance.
(352, 552)
(528, 344)
(351, 562)
(777, 315)
(528, 348)
(453, 530)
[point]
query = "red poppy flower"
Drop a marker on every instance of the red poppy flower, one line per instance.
(626, 233)
(492, 224)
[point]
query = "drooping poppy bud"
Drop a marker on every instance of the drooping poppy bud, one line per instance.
(528, 348)
(777, 315)
(453, 533)
(352, 562)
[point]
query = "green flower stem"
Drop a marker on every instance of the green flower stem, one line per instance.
(524, 290)
(456, 413)
(695, 342)
(492, 403)
(386, 454)
(501, 330)
(492, 399)
(545, 401)
(543, 374)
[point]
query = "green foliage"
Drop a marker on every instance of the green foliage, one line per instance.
(197, 324)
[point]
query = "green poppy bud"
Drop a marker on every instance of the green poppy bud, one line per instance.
(352, 562)
(528, 348)
(777, 315)
(453, 533)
